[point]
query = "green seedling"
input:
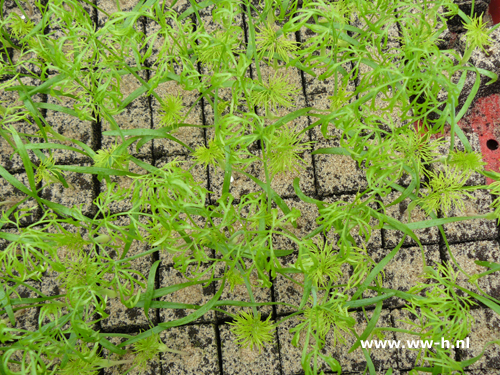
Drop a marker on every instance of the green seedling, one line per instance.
(246, 69)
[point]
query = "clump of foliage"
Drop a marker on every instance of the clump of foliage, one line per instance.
(55, 54)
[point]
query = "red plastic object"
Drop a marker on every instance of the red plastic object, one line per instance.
(485, 121)
(494, 10)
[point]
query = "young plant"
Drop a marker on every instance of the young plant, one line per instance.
(442, 314)
(271, 39)
(212, 155)
(276, 92)
(251, 330)
(172, 110)
(447, 190)
(285, 147)
(382, 84)
(148, 348)
(20, 26)
(478, 36)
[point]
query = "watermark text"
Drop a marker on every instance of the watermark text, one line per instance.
(414, 344)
